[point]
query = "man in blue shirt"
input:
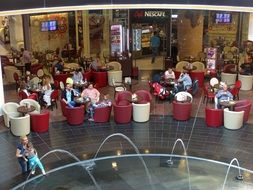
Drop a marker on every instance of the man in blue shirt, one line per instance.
(154, 44)
(184, 82)
(222, 95)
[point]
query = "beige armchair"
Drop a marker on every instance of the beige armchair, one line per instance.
(247, 81)
(115, 74)
(9, 71)
(228, 78)
(20, 126)
(10, 108)
(180, 65)
(141, 112)
(32, 103)
(233, 119)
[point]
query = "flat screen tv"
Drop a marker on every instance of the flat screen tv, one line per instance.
(50, 25)
(222, 18)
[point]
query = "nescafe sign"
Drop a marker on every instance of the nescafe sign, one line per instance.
(149, 15)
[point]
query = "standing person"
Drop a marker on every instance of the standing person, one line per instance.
(20, 153)
(154, 44)
(26, 58)
(32, 157)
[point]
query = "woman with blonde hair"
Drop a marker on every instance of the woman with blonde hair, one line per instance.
(47, 89)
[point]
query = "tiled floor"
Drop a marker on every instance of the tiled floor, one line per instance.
(158, 136)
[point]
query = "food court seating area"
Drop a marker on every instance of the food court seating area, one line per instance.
(138, 104)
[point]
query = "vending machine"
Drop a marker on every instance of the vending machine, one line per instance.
(116, 39)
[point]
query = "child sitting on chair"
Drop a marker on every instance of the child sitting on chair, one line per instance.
(33, 159)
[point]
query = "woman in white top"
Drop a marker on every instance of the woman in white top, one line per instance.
(169, 74)
(47, 89)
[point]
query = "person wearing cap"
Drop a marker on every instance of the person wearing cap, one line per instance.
(68, 93)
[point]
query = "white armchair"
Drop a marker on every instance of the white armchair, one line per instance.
(233, 119)
(20, 126)
(115, 74)
(32, 103)
(228, 78)
(247, 81)
(141, 112)
(10, 108)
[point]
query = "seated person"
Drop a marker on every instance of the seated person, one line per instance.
(47, 90)
(95, 63)
(78, 76)
(59, 66)
(93, 94)
(24, 88)
(222, 95)
(184, 82)
(68, 95)
(169, 74)
(104, 103)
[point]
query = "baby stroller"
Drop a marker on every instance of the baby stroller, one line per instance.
(159, 91)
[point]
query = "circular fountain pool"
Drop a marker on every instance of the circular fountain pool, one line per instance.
(143, 172)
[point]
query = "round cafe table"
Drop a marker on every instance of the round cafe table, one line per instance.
(189, 69)
(25, 109)
(228, 104)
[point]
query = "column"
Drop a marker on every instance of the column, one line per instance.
(106, 32)
(26, 29)
(190, 33)
(16, 31)
(86, 33)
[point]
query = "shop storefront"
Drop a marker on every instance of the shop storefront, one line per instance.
(143, 25)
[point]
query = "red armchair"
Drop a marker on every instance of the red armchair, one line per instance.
(75, 115)
(228, 68)
(35, 68)
(123, 96)
(208, 95)
(182, 110)
(243, 105)
(63, 108)
(61, 78)
(102, 115)
(22, 95)
(198, 75)
(144, 95)
(214, 117)
(122, 113)
(87, 75)
(40, 122)
(236, 89)
(100, 78)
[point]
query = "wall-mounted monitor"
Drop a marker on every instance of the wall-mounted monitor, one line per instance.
(50, 25)
(222, 17)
